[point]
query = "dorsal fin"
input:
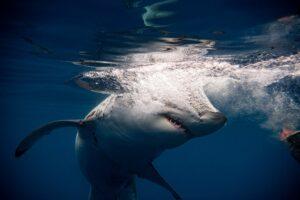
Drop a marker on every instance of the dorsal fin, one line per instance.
(103, 81)
(38, 133)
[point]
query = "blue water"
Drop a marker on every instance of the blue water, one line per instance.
(40, 40)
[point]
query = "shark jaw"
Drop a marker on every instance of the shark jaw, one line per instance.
(178, 125)
(202, 125)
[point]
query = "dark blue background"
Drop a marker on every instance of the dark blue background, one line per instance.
(241, 161)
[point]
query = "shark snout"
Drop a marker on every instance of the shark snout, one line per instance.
(214, 117)
(209, 122)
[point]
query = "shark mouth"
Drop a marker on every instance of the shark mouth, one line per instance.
(177, 124)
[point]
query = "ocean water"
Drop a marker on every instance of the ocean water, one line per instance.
(243, 55)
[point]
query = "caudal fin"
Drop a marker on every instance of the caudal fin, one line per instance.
(35, 135)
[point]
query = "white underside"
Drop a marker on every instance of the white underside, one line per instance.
(108, 179)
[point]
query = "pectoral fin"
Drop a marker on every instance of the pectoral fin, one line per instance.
(151, 174)
(37, 134)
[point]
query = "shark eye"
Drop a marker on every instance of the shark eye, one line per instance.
(199, 117)
(201, 113)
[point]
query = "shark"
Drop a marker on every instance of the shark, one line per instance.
(120, 138)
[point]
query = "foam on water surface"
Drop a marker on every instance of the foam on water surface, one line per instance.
(189, 72)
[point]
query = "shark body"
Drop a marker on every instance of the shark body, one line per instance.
(119, 139)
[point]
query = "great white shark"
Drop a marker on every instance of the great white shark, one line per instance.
(119, 139)
(158, 100)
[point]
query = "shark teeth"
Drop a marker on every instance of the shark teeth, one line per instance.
(174, 123)
(178, 125)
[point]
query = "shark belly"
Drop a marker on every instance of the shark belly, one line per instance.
(108, 179)
(130, 149)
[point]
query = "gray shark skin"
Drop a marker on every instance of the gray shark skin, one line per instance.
(119, 139)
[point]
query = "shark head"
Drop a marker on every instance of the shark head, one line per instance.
(158, 121)
(186, 120)
(193, 124)
(152, 106)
